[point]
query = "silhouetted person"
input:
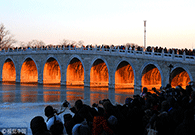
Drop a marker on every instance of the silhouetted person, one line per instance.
(38, 126)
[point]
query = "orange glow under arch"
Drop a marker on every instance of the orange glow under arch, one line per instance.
(151, 77)
(29, 73)
(8, 72)
(75, 73)
(51, 73)
(124, 77)
(179, 77)
(99, 74)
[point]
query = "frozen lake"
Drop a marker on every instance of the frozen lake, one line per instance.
(20, 103)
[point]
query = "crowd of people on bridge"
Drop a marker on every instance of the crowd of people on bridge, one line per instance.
(120, 47)
(168, 111)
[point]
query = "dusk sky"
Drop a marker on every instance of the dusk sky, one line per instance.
(170, 23)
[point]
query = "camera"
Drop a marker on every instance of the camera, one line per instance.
(65, 104)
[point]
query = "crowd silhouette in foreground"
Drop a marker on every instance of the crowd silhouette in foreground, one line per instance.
(169, 111)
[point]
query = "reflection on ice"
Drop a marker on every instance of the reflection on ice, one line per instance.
(51, 96)
(20, 103)
(26, 93)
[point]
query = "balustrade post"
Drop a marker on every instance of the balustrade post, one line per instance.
(130, 49)
(134, 52)
(102, 48)
(110, 49)
(118, 49)
(143, 52)
(81, 48)
(184, 56)
(172, 55)
(162, 53)
(153, 52)
(95, 49)
(126, 49)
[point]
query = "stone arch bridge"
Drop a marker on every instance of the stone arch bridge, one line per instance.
(96, 67)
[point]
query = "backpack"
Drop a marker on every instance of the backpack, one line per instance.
(57, 128)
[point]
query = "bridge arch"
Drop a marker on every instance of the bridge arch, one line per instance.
(51, 70)
(180, 75)
(96, 78)
(147, 69)
(28, 70)
(124, 64)
(75, 71)
(8, 70)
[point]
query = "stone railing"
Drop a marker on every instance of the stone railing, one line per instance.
(100, 50)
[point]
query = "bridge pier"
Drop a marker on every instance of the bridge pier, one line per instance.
(86, 84)
(63, 82)
(137, 89)
(17, 79)
(40, 81)
(111, 86)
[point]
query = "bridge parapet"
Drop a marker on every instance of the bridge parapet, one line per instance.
(98, 50)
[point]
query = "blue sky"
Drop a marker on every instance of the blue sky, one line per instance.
(170, 23)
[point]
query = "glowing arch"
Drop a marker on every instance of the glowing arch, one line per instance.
(75, 72)
(8, 71)
(180, 75)
(124, 75)
(99, 73)
(75, 56)
(147, 78)
(51, 71)
(29, 71)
